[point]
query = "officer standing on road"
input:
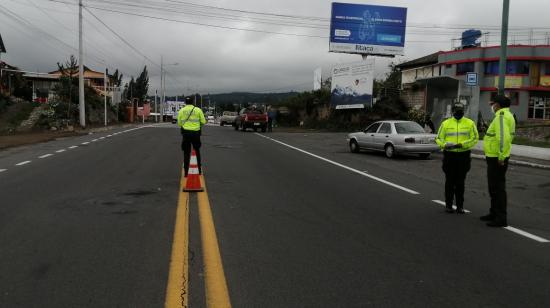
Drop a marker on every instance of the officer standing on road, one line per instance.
(497, 145)
(190, 120)
(456, 137)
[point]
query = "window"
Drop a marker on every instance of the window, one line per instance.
(513, 96)
(517, 67)
(409, 128)
(546, 68)
(539, 108)
(373, 128)
(463, 68)
(491, 68)
(385, 129)
(512, 67)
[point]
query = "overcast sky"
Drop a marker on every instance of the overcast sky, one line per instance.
(211, 59)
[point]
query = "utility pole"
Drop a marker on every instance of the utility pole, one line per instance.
(156, 109)
(162, 89)
(81, 102)
(105, 95)
(503, 47)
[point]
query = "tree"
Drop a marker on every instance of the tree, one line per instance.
(67, 89)
(116, 78)
(141, 85)
(129, 89)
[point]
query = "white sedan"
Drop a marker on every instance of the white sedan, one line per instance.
(394, 137)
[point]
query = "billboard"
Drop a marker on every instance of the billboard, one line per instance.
(352, 85)
(317, 79)
(367, 29)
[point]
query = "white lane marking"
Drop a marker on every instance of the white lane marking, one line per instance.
(410, 191)
(46, 155)
(443, 203)
(94, 140)
(2, 170)
(102, 138)
(85, 143)
(60, 151)
(73, 147)
(527, 234)
(23, 163)
(109, 136)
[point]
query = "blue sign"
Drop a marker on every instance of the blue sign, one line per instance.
(471, 79)
(367, 29)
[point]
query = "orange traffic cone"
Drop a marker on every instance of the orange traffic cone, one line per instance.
(193, 183)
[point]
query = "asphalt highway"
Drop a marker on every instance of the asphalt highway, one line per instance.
(288, 220)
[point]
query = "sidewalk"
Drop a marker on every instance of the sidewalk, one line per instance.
(522, 155)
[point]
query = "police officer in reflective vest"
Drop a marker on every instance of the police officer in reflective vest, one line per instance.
(190, 120)
(497, 145)
(456, 137)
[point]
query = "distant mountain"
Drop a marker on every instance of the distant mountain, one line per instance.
(248, 97)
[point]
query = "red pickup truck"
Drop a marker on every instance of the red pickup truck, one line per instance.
(251, 118)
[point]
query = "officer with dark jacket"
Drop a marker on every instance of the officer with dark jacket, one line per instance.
(456, 137)
(497, 145)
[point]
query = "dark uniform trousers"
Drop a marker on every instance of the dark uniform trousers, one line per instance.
(455, 165)
(190, 138)
(496, 178)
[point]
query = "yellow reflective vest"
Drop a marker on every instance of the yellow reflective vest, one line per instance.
(463, 131)
(191, 118)
(498, 138)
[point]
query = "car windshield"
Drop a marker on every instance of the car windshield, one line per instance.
(408, 128)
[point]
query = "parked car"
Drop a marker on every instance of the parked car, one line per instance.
(394, 137)
(251, 118)
(228, 117)
(210, 119)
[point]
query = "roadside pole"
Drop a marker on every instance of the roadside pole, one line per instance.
(105, 94)
(156, 109)
(81, 102)
(503, 47)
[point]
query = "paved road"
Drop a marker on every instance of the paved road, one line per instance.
(300, 222)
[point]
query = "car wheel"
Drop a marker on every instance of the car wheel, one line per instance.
(389, 150)
(264, 129)
(353, 146)
(243, 128)
(222, 123)
(255, 129)
(424, 155)
(235, 127)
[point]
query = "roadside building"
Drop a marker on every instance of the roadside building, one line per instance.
(433, 85)
(92, 78)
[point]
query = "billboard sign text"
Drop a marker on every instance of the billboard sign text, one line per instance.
(367, 29)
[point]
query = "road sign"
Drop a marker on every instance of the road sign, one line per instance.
(471, 79)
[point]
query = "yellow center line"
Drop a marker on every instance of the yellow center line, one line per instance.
(177, 287)
(217, 295)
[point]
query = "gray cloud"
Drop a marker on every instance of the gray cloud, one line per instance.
(219, 60)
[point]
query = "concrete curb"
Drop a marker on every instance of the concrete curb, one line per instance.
(517, 162)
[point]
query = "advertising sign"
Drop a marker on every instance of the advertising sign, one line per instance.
(352, 85)
(317, 79)
(367, 29)
(511, 82)
(545, 81)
